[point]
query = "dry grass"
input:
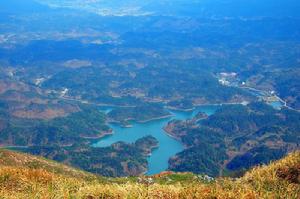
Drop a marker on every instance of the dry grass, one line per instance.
(280, 179)
(23, 160)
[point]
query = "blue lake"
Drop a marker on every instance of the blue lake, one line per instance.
(168, 146)
(276, 104)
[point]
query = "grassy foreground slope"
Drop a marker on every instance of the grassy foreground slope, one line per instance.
(10, 159)
(47, 179)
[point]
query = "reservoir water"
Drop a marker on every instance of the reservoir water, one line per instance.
(168, 146)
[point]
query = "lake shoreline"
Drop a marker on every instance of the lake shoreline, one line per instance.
(101, 135)
(169, 144)
(139, 121)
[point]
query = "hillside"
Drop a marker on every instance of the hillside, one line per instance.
(9, 159)
(19, 179)
(95, 95)
(235, 138)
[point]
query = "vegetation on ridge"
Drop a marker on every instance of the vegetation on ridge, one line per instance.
(280, 179)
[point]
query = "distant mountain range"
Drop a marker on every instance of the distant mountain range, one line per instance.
(198, 8)
(201, 8)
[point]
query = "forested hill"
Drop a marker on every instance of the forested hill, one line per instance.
(235, 138)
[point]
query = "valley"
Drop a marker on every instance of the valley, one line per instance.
(131, 88)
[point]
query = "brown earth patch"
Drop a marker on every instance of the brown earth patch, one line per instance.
(47, 113)
(291, 174)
